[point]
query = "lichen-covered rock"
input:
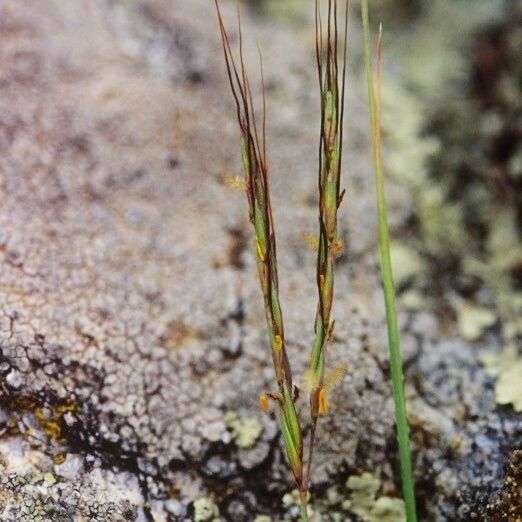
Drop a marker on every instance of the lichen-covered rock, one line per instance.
(27, 493)
(131, 319)
(362, 501)
(120, 301)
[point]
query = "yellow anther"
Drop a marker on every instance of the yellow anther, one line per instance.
(323, 403)
(278, 343)
(260, 252)
(321, 279)
(263, 402)
(234, 181)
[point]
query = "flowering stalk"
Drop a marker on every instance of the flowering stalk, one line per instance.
(332, 87)
(255, 168)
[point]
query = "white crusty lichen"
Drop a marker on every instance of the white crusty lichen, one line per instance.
(32, 492)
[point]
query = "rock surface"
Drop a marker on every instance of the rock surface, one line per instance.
(131, 319)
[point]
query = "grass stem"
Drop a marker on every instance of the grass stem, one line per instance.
(303, 497)
(387, 276)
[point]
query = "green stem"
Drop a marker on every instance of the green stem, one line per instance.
(303, 495)
(389, 294)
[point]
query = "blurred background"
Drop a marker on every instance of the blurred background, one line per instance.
(132, 337)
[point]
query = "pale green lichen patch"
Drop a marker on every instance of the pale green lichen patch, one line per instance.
(441, 221)
(388, 509)
(407, 263)
(407, 150)
(292, 500)
(364, 504)
(412, 300)
(504, 252)
(509, 386)
(506, 366)
(474, 320)
(205, 510)
(361, 503)
(262, 518)
(363, 490)
(50, 479)
(245, 430)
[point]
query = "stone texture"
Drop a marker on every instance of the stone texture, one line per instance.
(131, 318)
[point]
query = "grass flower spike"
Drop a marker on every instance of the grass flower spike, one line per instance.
(332, 87)
(328, 245)
(255, 168)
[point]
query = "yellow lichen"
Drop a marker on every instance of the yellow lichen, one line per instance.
(59, 459)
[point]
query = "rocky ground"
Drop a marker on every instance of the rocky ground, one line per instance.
(132, 341)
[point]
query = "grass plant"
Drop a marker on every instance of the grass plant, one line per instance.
(332, 80)
(256, 184)
(386, 270)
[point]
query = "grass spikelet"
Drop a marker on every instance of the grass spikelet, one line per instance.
(327, 244)
(332, 80)
(386, 272)
(255, 166)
